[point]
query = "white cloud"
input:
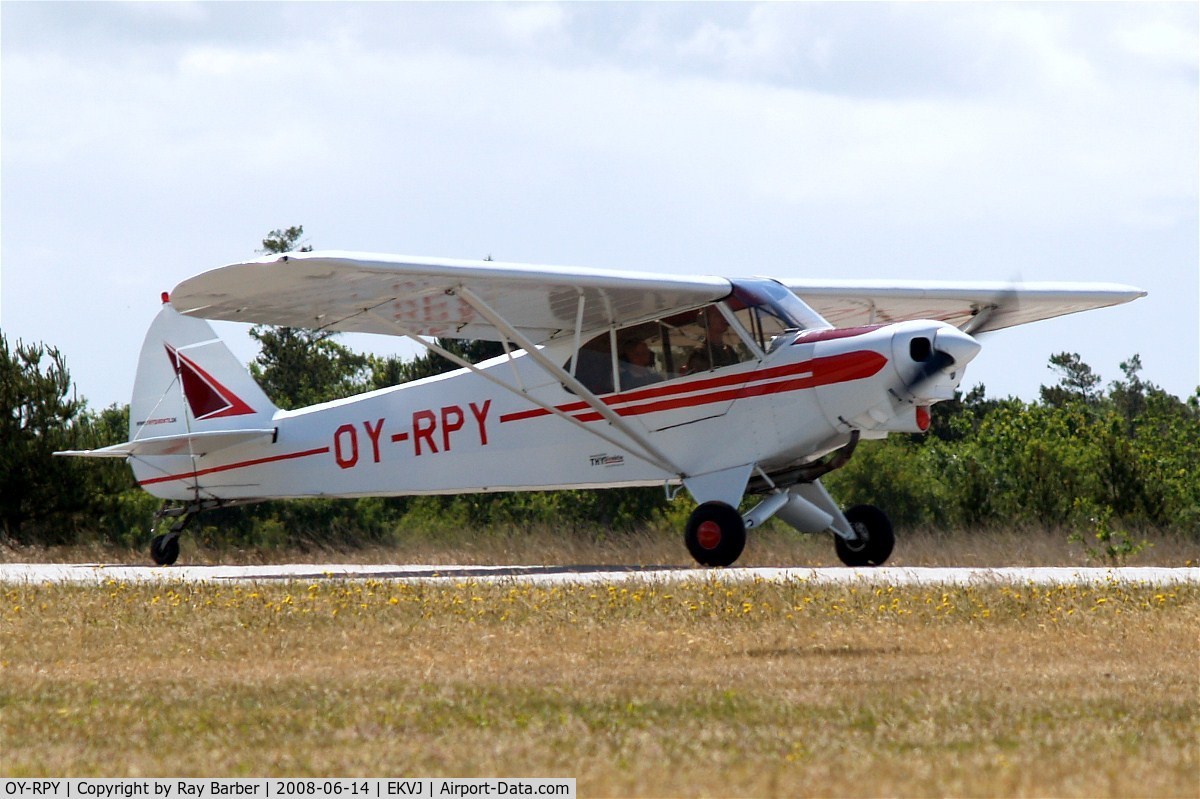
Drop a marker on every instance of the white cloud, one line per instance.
(832, 139)
(225, 62)
(528, 24)
(769, 42)
(1035, 40)
(1168, 39)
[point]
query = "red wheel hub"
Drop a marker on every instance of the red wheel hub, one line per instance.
(708, 535)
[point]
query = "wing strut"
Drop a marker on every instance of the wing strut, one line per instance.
(657, 457)
(662, 463)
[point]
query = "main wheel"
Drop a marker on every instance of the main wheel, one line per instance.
(715, 534)
(875, 537)
(164, 549)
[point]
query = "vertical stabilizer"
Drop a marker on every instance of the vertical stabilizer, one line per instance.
(188, 381)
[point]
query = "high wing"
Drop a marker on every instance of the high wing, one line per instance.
(975, 307)
(390, 294)
(367, 293)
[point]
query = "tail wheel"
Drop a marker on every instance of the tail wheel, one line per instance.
(875, 537)
(715, 534)
(164, 549)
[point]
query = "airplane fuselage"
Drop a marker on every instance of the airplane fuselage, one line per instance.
(462, 432)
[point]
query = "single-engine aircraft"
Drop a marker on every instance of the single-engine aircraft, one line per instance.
(724, 386)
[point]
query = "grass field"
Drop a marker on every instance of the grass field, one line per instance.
(694, 689)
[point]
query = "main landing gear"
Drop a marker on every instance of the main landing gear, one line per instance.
(875, 538)
(716, 533)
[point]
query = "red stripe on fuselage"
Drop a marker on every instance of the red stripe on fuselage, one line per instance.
(230, 466)
(809, 374)
(667, 390)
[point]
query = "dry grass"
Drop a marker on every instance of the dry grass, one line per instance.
(699, 689)
(774, 545)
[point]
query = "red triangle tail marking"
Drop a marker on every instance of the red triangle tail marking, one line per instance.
(206, 396)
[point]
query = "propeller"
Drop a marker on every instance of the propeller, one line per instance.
(931, 367)
(949, 347)
(1005, 301)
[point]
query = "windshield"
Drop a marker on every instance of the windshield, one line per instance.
(767, 309)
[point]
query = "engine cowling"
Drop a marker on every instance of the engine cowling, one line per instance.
(925, 363)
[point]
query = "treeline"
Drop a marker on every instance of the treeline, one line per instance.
(1079, 458)
(1082, 457)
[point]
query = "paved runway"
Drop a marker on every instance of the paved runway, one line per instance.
(889, 575)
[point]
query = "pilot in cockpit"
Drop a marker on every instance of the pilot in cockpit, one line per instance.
(713, 352)
(636, 366)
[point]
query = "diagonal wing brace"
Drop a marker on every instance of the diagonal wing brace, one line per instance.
(655, 455)
(661, 462)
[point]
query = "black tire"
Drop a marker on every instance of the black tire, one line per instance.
(876, 539)
(164, 549)
(715, 534)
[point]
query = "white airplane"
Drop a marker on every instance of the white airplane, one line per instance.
(724, 386)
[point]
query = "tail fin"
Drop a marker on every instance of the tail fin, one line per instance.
(191, 397)
(188, 382)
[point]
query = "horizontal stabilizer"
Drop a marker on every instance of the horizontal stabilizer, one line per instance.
(201, 443)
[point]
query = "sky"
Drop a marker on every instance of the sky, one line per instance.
(141, 144)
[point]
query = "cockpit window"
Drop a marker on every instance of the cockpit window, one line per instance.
(740, 328)
(768, 310)
(712, 342)
(665, 349)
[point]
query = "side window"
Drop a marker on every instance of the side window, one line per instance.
(763, 327)
(652, 352)
(595, 365)
(644, 356)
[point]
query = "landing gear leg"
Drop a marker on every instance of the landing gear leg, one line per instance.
(875, 539)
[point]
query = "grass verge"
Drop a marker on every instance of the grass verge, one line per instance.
(772, 545)
(694, 689)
